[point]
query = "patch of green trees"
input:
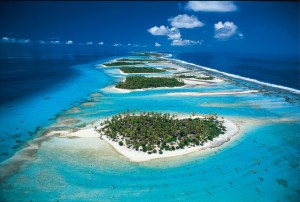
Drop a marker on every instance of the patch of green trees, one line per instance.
(139, 82)
(153, 132)
(141, 70)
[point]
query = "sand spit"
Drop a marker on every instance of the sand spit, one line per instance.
(211, 93)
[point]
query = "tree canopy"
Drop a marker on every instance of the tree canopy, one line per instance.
(155, 132)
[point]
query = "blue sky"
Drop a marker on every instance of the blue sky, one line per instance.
(241, 27)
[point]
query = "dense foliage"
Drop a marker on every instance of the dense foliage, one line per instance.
(182, 76)
(206, 78)
(154, 132)
(182, 72)
(140, 60)
(111, 64)
(138, 82)
(141, 70)
(170, 68)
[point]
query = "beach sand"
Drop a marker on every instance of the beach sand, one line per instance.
(139, 156)
(210, 93)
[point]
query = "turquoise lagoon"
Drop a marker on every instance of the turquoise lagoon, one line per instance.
(261, 163)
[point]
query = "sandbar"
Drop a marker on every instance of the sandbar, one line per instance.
(210, 93)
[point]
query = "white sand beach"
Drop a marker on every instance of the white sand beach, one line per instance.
(140, 156)
(210, 93)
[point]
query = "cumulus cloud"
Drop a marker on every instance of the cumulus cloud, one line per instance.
(117, 44)
(174, 33)
(159, 31)
(41, 42)
(101, 43)
(23, 41)
(181, 42)
(157, 44)
(8, 40)
(89, 43)
(69, 42)
(185, 21)
(212, 6)
(54, 42)
(225, 30)
(14, 40)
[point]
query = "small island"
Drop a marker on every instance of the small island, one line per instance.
(141, 60)
(182, 76)
(140, 82)
(156, 132)
(120, 63)
(141, 70)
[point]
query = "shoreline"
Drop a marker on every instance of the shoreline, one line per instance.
(276, 86)
(211, 93)
(139, 156)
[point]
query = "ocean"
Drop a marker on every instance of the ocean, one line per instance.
(271, 69)
(260, 164)
(38, 84)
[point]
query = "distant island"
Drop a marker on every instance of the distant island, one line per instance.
(120, 63)
(182, 76)
(141, 70)
(153, 132)
(140, 82)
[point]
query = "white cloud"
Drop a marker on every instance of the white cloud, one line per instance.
(23, 41)
(129, 44)
(174, 33)
(159, 31)
(101, 43)
(6, 39)
(212, 6)
(180, 21)
(185, 21)
(157, 44)
(225, 30)
(54, 42)
(14, 40)
(89, 43)
(181, 42)
(41, 42)
(117, 44)
(69, 42)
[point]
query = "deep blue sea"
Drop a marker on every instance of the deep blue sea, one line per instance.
(37, 83)
(273, 69)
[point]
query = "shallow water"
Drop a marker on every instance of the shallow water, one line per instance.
(261, 164)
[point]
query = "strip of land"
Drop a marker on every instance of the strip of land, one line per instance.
(210, 93)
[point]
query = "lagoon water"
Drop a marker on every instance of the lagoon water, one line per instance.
(260, 164)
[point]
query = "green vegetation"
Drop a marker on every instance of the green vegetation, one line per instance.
(155, 132)
(138, 82)
(182, 72)
(206, 78)
(140, 60)
(186, 76)
(170, 68)
(111, 64)
(182, 76)
(141, 70)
